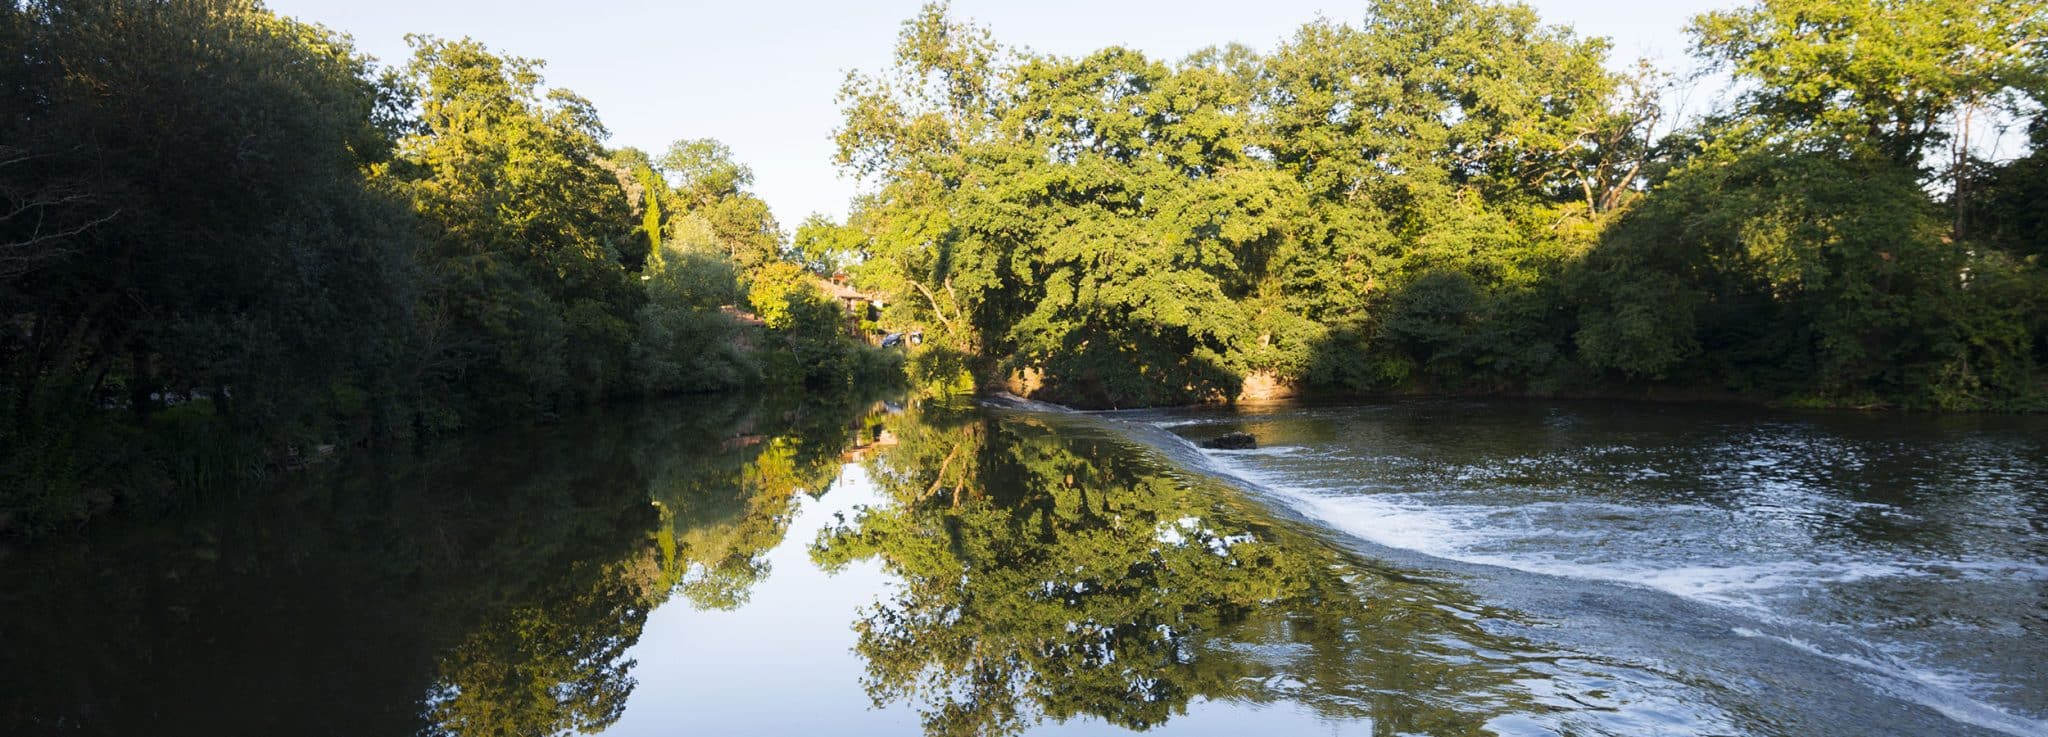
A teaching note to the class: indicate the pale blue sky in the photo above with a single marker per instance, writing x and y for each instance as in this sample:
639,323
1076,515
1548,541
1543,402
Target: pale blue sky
761,76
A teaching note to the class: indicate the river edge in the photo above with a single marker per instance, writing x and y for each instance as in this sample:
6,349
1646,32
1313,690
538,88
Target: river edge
282,465
1847,689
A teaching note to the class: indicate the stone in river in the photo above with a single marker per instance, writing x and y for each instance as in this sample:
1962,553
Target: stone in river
1233,441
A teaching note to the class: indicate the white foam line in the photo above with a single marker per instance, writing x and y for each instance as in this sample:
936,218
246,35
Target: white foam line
1433,529
1430,531
1190,422
1932,690
1270,450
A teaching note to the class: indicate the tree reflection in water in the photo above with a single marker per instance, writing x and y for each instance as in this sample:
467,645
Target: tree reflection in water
1051,570
723,494
505,578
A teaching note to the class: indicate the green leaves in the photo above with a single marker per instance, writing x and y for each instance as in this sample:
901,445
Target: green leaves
524,198
202,203
703,170
1084,219
1446,195
1896,77
189,207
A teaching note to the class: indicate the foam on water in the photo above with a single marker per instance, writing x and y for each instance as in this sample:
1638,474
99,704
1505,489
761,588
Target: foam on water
1191,422
1465,533
1450,533
1942,692
1515,537
1270,450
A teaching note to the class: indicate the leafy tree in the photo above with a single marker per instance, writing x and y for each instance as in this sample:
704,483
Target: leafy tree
682,341
645,190
1799,251
907,131
1800,272
1899,78
1454,195
184,220
526,263
785,298
811,333
1129,238
256,243
703,170
1437,138
826,247
720,214
1119,231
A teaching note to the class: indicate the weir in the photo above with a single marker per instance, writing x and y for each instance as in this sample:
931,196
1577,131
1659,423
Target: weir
1719,623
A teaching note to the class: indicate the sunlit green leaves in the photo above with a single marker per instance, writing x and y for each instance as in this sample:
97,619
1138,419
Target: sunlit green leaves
1440,195
1895,76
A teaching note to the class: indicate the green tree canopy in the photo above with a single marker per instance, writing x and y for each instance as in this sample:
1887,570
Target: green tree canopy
1901,78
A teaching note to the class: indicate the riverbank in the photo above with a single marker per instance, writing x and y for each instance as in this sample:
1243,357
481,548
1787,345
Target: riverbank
1267,391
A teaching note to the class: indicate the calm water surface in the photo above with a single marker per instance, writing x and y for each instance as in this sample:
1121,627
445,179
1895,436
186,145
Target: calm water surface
733,567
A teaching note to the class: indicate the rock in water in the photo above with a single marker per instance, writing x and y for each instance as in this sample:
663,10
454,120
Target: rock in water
1233,441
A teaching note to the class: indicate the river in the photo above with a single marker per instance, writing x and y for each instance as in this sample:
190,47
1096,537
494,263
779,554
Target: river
740,566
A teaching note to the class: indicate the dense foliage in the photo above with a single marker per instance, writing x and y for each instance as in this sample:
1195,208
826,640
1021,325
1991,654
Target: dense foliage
228,241
1451,195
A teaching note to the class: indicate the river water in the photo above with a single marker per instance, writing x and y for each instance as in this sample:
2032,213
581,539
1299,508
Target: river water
747,567
1910,550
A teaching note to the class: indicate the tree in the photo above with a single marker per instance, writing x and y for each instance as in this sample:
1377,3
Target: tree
719,215
682,341
826,247
645,191
703,170
906,132
183,219
209,207
529,224
1111,230
1900,79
